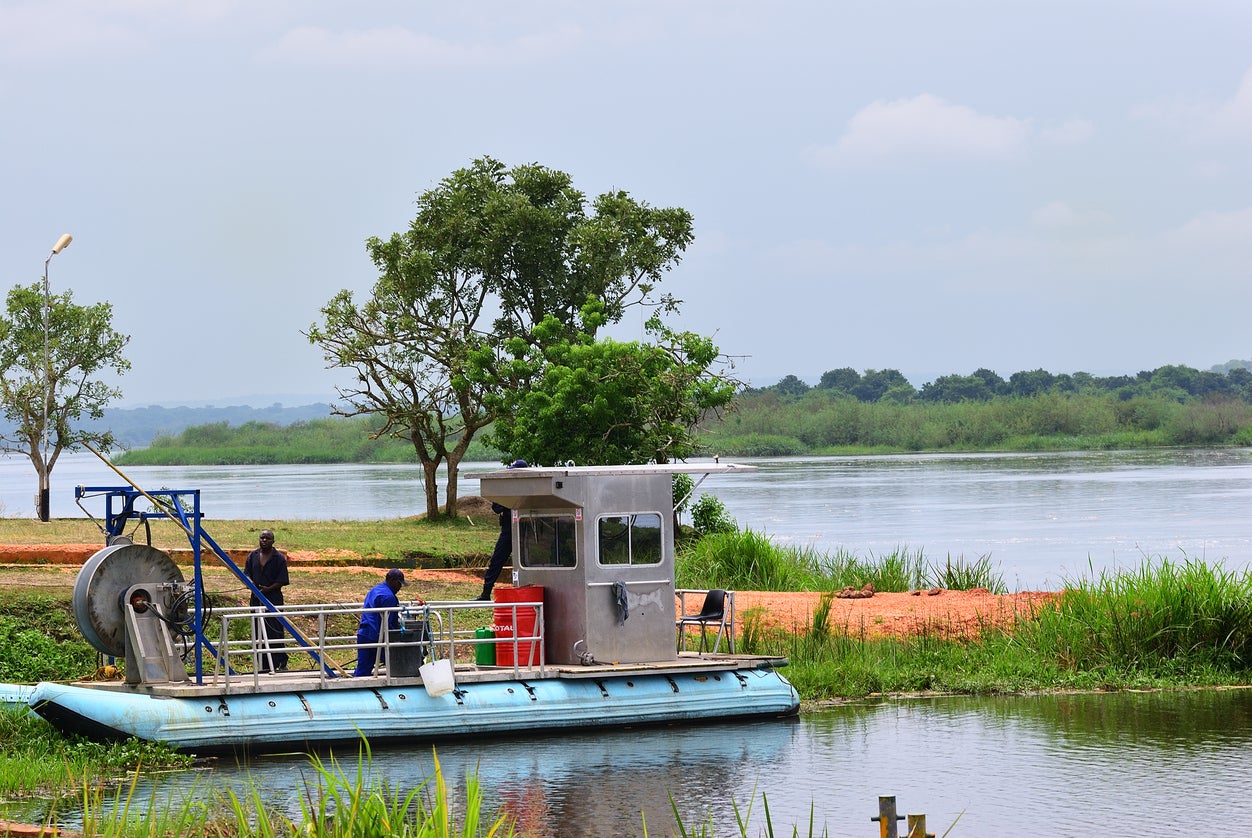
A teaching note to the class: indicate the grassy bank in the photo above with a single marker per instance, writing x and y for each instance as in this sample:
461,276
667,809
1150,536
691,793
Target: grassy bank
402,541
1165,625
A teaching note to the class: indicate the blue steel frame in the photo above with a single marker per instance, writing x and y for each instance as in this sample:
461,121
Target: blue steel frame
170,505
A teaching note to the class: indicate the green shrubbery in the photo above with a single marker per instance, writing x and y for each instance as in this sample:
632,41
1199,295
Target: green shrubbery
39,641
1159,615
1163,625
749,561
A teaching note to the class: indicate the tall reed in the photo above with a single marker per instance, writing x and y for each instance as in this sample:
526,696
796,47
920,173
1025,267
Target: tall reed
1159,614
337,803
750,561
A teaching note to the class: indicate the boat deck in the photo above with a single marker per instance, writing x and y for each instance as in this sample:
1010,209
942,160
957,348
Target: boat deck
307,680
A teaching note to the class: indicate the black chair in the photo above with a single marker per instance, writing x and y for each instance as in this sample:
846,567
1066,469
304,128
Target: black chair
713,611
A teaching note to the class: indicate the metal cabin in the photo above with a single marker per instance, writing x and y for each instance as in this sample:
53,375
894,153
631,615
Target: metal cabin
599,541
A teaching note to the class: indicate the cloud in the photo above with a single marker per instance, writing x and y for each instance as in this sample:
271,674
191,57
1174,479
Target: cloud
1071,132
1234,116
45,34
1060,216
924,126
1224,119
1216,229
396,46
1062,251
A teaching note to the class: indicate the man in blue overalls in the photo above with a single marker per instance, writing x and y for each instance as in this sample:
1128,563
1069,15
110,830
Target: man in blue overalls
382,595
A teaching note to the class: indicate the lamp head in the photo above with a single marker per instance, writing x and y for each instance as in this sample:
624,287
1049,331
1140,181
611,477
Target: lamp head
62,243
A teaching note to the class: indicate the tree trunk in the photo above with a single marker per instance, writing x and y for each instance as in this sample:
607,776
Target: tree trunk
429,470
43,497
449,507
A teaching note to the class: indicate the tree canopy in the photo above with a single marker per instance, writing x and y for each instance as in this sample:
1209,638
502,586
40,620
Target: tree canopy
601,402
492,253
50,393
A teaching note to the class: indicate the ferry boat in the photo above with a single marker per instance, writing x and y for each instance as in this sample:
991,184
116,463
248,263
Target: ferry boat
587,636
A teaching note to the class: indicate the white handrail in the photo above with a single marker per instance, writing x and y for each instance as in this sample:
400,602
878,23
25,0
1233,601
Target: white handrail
441,631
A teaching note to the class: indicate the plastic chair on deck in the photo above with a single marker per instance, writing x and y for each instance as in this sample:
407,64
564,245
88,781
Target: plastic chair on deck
713,611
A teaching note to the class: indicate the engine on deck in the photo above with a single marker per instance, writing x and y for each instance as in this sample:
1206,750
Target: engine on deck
131,600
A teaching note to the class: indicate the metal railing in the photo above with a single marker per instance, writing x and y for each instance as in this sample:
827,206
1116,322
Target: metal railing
448,631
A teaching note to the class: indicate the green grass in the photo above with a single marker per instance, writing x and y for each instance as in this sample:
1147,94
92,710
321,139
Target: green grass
1164,615
37,758
1164,625
338,802
749,561
403,541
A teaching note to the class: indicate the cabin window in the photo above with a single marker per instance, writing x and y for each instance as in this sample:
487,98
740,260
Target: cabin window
547,541
630,539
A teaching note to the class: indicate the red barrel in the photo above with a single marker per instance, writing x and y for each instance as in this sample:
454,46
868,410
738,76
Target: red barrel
529,652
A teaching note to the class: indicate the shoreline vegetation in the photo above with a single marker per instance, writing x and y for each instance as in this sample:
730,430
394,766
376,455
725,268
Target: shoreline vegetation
847,414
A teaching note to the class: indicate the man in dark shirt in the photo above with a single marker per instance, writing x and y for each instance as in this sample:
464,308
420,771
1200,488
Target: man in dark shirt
504,544
267,568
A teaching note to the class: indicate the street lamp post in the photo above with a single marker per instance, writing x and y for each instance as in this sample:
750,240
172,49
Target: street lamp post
45,483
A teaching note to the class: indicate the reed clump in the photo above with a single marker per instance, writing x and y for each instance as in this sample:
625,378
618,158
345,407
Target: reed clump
1164,614
747,560
338,802
1165,624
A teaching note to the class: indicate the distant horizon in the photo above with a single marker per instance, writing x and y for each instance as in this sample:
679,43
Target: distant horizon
254,400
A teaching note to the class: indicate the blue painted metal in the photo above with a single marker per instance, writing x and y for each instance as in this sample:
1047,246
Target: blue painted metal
270,720
182,506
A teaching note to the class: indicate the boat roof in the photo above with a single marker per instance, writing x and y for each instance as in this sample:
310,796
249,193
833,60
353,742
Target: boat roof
609,471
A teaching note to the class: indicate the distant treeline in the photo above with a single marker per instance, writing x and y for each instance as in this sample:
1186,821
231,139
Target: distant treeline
847,411
1037,410
331,440
1233,379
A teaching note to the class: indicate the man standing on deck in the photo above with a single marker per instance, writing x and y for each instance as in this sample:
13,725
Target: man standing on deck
267,568
504,544
382,595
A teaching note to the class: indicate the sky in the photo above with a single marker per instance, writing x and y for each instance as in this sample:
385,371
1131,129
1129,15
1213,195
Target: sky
931,187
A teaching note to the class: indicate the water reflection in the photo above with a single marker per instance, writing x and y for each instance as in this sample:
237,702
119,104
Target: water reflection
1055,764
1157,763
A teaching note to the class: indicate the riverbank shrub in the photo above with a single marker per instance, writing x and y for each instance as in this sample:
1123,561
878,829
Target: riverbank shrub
315,441
747,560
1163,625
1163,614
36,758
709,515
40,641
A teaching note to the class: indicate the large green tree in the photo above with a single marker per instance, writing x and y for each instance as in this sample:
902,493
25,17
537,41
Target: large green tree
47,387
491,253
601,401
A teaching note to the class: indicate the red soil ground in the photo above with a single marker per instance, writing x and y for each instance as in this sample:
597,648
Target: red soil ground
957,614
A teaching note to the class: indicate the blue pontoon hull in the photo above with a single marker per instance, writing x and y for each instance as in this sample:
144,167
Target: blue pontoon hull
295,718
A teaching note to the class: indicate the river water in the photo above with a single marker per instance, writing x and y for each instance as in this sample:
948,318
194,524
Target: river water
1040,518
1154,763
1160,764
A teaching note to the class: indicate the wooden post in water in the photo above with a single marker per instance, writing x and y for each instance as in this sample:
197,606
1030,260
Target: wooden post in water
887,817
917,827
